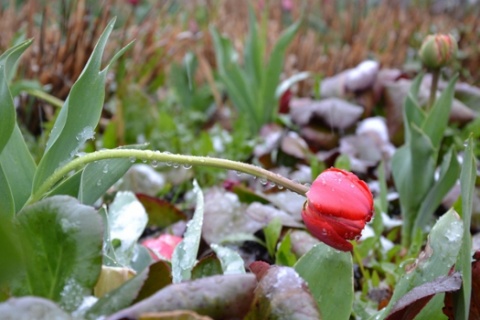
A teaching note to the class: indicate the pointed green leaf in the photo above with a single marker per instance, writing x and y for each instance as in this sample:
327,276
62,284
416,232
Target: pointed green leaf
274,70
412,112
444,243
79,115
230,260
8,117
185,253
437,119
253,53
329,274
449,171
464,264
272,233
19,168
7,205
65,239
284,255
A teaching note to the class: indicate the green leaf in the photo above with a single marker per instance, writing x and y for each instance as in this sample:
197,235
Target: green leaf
413,168
91,183
65,239
253,52
230,260
119,298
284,255
7,205
272,233
437,119
79,115
289,82
126,221
207,266
19,168
449,172
444,243
329,274
412,112
464,261
274,69
8,61
185,253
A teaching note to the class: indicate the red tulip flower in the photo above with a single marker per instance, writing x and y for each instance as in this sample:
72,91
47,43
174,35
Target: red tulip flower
338,206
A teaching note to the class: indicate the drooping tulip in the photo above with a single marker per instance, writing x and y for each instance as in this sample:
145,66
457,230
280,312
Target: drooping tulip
338,206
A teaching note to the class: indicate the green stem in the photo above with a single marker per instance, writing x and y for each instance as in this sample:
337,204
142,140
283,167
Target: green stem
166,157
433,88
45,96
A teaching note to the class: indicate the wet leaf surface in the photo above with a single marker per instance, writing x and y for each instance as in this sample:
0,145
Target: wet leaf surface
415,300
281,294
220,297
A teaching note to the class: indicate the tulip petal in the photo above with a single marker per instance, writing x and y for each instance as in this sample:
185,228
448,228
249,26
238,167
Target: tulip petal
340,193
325,232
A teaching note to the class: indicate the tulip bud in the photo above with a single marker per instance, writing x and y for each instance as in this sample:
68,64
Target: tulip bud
438,50
111,278
338,206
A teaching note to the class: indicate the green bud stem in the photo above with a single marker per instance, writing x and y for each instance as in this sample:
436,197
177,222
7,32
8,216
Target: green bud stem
150,155
433,88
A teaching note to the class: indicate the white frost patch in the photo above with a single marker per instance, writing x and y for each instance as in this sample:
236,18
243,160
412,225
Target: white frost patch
72,294
68,226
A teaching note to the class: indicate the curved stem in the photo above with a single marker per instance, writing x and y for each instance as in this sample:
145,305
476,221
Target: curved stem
166,157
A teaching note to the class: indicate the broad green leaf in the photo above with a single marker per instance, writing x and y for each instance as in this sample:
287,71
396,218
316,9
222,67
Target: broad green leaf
32,308
437,119
126,220
329,274
413,167
185,253
7,205
8,117
273,71
464,261
19,168
119,298
444,243
230,260
79,115
65,239
272,233
449,172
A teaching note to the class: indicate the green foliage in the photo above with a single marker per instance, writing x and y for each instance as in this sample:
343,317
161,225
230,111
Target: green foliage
329,274
252,87
413,165
64,239
185,253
